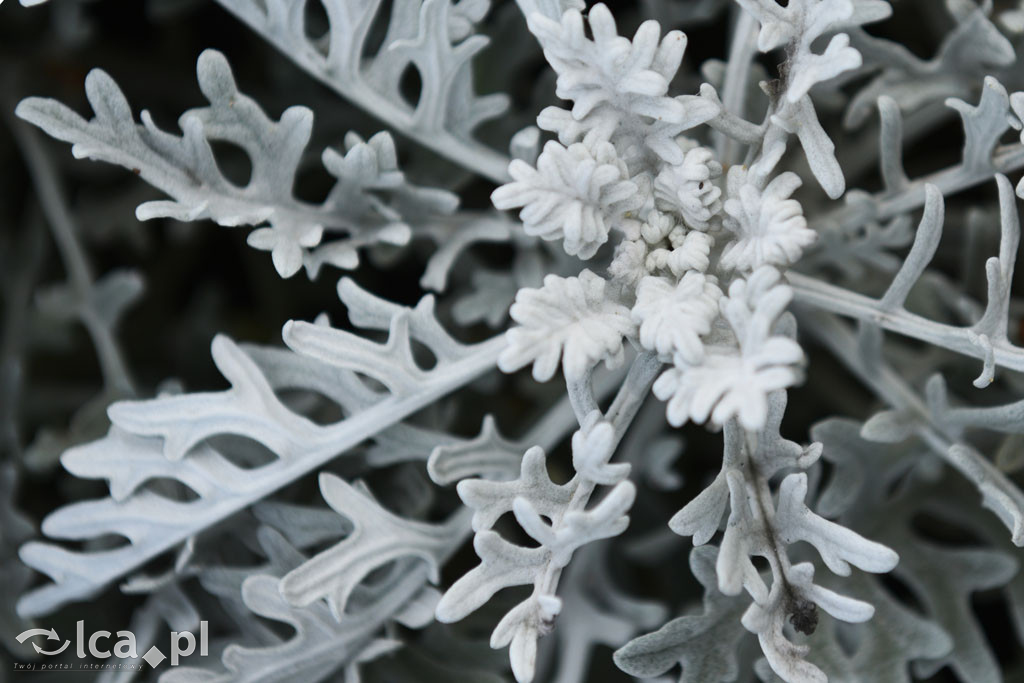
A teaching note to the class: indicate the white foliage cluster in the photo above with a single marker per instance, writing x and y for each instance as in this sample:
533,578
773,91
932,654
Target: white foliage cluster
571,526
435,37
618,87
707,255
796,27
726,383
326,640
667,211
169,437
627,172
185,168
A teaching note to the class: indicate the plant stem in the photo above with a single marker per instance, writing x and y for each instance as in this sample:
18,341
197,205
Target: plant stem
835,299
998,491
1005,160
737,77
80,277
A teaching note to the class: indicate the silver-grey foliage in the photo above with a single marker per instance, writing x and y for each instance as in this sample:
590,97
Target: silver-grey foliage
761,272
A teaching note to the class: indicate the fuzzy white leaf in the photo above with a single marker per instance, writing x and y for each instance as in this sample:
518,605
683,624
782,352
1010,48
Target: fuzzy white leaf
378,537
674,318
689,188
726,384
185,167
137,452
618,87
431,36
839,547
575,194
769,227
568,319
705,644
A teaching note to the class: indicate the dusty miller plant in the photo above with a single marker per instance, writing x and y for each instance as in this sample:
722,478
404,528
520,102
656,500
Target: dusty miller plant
685,251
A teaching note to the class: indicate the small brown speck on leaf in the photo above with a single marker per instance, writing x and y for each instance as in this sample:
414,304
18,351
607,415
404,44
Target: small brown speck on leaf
804,616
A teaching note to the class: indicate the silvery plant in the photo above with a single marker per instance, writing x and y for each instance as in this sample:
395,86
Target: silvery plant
712,361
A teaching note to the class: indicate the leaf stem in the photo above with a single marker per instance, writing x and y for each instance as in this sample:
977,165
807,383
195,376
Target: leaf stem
1006,159
828,297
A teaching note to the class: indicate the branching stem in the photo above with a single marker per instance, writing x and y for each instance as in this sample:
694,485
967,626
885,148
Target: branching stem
833,299
894,390
80,277
1005,160
623,409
